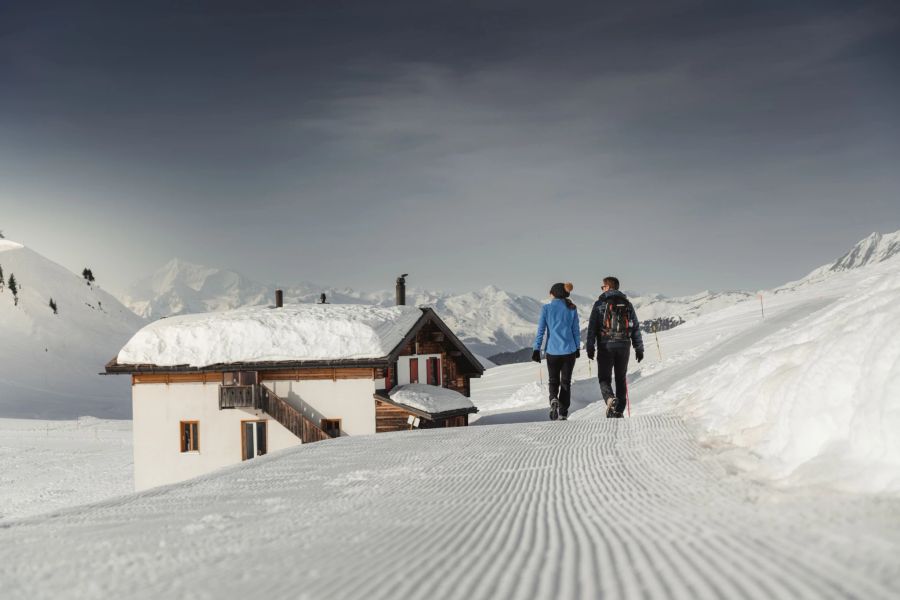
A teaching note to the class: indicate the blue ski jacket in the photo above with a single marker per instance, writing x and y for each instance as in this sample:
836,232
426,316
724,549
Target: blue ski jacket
560,324
596,321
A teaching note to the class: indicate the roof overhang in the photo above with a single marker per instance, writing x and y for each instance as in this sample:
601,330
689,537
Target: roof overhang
113,368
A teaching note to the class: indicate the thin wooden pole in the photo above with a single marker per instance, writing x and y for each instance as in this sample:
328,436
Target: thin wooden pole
762,310
656,335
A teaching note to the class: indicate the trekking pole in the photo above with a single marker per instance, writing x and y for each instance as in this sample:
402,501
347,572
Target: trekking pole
656,335
761,308
627,400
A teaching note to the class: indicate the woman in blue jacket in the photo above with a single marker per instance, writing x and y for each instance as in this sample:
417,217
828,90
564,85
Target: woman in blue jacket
559,321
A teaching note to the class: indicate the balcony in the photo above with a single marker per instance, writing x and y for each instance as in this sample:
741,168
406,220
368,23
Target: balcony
238,396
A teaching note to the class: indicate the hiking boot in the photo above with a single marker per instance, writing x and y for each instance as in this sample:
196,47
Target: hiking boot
554,409
611,407
618,415
563,417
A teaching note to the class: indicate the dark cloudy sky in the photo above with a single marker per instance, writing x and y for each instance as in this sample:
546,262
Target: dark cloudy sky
679,145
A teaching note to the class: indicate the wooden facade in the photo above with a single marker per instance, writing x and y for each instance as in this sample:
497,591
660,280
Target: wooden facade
390,417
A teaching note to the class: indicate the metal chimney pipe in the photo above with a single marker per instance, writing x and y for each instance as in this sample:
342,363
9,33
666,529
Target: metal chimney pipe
401,289
279,298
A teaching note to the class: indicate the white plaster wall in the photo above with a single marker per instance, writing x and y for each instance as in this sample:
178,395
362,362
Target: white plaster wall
158,412
351,400
403,368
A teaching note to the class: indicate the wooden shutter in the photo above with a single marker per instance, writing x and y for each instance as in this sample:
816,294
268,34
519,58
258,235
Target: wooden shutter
414,370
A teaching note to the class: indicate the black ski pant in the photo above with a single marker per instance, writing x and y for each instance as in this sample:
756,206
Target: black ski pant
560,367
614,357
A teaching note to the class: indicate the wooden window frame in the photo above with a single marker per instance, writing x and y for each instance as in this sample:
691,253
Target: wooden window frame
433,372
244,438
414,366
194,438
337,421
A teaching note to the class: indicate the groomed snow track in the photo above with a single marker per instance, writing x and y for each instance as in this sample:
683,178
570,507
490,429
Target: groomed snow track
628,508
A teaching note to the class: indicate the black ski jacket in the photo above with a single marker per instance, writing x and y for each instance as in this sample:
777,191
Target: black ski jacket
596,321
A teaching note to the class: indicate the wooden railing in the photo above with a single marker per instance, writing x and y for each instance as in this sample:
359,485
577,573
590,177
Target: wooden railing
238,396
293,420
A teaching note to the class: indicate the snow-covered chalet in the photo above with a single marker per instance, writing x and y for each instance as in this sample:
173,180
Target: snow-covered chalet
213,389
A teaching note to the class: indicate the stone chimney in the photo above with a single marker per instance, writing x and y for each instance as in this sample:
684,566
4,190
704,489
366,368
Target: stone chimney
279,298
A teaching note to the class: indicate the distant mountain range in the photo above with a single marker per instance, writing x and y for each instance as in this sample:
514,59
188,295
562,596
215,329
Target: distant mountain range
489,320
49,362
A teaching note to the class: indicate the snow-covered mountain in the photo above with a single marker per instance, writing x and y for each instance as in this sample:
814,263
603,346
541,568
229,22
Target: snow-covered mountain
873,249
489,320
49,363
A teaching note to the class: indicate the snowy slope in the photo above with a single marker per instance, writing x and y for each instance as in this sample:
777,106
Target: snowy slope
49,364
585,509
811,393
48,465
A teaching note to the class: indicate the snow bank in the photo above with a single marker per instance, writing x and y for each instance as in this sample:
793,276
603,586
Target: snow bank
255,334
820,400
430,398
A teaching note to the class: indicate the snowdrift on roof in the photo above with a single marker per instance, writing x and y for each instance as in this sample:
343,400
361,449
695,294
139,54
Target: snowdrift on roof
295,332
430,398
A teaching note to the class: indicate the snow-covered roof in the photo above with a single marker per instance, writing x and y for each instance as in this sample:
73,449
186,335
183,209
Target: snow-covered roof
430,398
295,332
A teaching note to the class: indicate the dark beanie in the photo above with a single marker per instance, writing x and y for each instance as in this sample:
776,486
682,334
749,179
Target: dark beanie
558,290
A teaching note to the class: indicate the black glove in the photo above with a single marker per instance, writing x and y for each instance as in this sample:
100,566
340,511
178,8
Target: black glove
639,354
590,352
536,356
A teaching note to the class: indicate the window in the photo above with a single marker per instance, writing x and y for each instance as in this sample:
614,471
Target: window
332,427
254,439
414,370
390,380
190,436
240,378
433,371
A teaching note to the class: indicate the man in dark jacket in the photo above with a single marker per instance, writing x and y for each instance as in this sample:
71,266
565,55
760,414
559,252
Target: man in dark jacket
613,329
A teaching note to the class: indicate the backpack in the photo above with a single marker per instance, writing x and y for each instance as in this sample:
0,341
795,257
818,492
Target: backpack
616,325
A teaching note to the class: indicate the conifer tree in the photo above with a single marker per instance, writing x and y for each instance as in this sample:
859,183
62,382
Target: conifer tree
88,275
1,235
2,283
14,288
53,306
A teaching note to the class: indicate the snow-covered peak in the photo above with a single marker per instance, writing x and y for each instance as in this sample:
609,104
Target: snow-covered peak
51,353
9,245
873,249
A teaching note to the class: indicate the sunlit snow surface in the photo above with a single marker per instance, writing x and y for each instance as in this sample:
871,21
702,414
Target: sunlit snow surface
430,398
48,465
261,333
676,501
811,392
